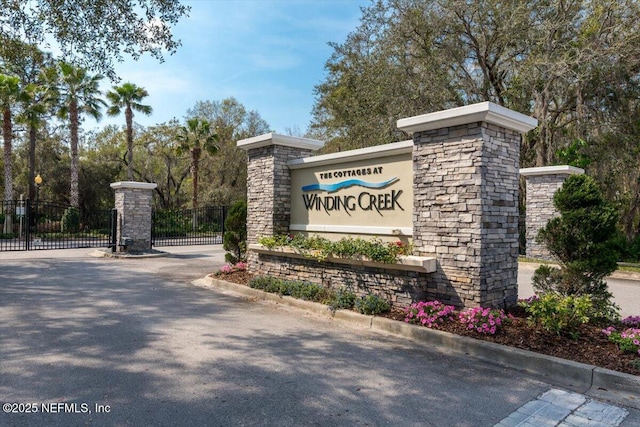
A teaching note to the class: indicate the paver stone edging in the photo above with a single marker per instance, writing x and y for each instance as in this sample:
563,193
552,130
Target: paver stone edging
602,383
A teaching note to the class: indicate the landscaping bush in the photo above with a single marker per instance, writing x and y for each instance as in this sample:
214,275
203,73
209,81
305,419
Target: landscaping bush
234,240
562,315
71,220
297,289
372,304
342,299
306,291
582,239
267,284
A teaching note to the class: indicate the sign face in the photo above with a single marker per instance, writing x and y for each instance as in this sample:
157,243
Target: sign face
375,192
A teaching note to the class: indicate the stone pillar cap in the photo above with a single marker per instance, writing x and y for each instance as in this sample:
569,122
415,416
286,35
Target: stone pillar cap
552,170
277,139
134,184
481,112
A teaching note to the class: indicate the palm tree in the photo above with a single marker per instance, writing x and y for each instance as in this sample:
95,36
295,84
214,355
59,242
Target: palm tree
10,93
39,99
195,137
128,96
79,94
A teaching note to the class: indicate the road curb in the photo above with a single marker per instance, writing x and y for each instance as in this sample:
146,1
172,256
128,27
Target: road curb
614,386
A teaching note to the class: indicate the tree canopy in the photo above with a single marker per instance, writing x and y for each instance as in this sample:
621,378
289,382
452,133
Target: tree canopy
92,33
573,65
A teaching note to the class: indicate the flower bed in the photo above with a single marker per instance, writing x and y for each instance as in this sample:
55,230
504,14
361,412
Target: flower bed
591,346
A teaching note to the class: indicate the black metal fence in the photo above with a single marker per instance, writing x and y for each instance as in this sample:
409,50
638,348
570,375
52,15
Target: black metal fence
201,226
27,225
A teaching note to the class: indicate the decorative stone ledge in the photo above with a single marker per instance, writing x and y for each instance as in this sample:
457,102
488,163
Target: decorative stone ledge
420,264
480,112
551,170
277,139
134,185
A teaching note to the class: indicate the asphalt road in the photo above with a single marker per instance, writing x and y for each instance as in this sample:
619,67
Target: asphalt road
130,342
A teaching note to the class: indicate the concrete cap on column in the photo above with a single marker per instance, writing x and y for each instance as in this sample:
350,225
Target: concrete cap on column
481,112
552,170
277,139
134,184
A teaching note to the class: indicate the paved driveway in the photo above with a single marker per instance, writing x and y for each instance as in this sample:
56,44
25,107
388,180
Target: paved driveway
130,342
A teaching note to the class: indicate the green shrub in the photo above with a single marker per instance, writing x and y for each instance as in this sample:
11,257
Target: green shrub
372,304
307,291
234,240
342,299
582,239
296,289
71,220
271,242
267,284
562,315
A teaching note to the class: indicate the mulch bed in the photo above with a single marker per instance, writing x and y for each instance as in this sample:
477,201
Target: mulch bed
592,347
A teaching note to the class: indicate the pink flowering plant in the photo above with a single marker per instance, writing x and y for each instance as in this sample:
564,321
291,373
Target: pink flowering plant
483,320
627,340
430,314
229,268
632,321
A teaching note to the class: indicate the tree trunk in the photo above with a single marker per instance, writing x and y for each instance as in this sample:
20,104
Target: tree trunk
195,158
7,133
32,161
8,174
74,198
128,114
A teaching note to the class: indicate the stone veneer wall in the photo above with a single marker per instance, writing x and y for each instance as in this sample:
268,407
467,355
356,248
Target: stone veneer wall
133,201
466,212
401,288
269,190
541,185
465,165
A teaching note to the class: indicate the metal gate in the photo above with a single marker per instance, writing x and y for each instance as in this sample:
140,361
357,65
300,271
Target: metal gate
27,225
201,226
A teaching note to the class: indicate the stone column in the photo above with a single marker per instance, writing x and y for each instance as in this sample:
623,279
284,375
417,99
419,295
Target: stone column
465,163
541,185
269,181
133,203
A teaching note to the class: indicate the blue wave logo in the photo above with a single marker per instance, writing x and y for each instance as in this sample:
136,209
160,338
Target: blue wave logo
332,188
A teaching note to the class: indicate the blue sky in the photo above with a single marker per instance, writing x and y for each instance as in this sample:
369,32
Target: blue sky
268,54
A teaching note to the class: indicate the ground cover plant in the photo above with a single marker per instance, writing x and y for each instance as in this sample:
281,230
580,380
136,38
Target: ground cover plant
591,342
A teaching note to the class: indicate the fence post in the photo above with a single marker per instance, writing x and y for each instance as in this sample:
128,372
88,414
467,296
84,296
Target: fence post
27,219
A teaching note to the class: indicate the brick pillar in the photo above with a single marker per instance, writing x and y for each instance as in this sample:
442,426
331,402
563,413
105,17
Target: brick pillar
541,185
465,163
133,203
269,181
